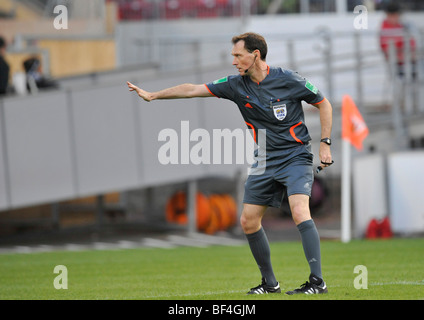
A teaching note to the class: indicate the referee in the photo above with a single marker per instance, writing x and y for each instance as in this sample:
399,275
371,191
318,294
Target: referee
269,100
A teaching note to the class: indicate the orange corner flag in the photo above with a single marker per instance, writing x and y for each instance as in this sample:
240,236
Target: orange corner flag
354,128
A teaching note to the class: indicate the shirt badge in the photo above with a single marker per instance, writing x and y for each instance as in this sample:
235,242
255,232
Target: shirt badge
280,111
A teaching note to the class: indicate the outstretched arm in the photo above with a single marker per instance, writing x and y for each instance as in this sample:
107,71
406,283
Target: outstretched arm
181,91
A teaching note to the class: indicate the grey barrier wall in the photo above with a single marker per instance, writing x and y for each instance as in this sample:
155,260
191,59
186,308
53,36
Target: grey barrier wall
37,159
103,139
3,174
78,142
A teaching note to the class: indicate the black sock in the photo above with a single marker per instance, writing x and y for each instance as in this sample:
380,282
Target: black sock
311,246
259,246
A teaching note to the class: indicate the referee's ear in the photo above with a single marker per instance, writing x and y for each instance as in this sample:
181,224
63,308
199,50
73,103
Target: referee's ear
257,53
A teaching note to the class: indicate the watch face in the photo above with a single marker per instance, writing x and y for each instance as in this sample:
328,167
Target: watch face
327,141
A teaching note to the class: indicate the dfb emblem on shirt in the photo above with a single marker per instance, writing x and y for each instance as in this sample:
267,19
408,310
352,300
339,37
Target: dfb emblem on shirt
280,111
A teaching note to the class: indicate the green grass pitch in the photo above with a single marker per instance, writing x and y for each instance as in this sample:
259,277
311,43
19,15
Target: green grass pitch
395,271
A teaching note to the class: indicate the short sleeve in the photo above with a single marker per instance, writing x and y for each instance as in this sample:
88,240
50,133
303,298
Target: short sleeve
222,88
303,89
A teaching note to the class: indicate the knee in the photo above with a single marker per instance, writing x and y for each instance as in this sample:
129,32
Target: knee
244,222
251,218
300,212
249,224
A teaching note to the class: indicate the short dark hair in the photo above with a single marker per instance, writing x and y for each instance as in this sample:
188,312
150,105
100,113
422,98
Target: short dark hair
252,42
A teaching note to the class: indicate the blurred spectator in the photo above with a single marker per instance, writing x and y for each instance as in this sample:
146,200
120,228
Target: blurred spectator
351,4
394,30
4,68
35,78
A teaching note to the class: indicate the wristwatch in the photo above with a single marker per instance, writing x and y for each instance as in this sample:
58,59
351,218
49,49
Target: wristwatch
327,141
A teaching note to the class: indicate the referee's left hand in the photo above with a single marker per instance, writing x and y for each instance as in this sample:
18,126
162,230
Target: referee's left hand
325,155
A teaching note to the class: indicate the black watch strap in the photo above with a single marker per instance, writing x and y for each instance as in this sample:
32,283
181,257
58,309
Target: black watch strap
326,141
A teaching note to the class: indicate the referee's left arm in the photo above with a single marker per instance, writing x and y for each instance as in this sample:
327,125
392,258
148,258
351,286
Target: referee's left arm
326,119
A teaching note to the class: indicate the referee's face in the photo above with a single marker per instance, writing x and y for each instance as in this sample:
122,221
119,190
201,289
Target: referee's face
243,59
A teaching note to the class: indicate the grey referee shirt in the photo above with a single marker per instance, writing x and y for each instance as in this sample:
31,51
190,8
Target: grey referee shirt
275,104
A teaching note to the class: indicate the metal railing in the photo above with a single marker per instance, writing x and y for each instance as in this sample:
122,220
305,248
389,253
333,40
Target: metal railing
326,56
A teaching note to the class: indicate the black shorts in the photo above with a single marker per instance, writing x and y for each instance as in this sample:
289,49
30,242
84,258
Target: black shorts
294,176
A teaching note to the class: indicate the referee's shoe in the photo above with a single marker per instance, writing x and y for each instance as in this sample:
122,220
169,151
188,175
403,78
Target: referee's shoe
263,288
314,286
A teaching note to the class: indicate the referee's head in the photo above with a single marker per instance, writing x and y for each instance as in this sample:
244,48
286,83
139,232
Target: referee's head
252,42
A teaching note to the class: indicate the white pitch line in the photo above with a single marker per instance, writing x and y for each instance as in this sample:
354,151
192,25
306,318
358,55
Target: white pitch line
157,243
398,283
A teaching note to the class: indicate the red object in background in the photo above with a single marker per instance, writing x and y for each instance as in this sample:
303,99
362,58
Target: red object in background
354,128
176,9
379,229
135,9
394,32
385,228
372,230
